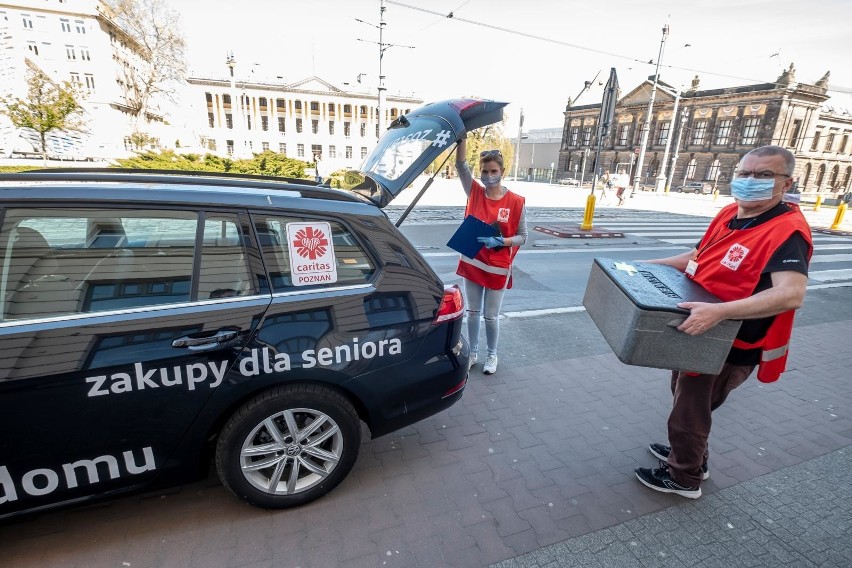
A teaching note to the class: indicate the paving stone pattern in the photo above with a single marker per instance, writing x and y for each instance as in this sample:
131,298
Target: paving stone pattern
540,454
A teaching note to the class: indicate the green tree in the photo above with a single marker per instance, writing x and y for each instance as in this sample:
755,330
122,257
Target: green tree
266,163
154,30
49,106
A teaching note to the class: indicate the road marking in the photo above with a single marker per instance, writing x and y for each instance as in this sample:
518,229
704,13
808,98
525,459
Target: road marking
552,311
831,258
831,275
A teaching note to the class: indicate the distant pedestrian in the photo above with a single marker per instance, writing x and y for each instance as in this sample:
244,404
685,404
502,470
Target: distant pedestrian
320,169
606,181
754,257
621,182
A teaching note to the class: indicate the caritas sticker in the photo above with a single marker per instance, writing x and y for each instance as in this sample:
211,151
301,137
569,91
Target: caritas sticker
311,253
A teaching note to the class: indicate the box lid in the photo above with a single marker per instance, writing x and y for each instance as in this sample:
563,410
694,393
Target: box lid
654,286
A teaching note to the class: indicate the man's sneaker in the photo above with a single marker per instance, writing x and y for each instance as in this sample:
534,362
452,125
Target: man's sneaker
490,366
660,480
661,452
471,362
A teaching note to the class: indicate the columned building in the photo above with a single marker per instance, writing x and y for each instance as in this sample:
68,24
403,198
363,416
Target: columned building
301,120
714,129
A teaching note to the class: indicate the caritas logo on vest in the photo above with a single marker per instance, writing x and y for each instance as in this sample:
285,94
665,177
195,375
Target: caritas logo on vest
735,255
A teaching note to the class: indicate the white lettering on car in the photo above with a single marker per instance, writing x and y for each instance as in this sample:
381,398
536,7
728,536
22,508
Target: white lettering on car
252,363
41,481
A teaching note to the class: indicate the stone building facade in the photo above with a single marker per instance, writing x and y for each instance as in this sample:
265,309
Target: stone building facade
713,129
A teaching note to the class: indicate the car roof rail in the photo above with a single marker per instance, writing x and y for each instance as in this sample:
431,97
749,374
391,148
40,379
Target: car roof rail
309,188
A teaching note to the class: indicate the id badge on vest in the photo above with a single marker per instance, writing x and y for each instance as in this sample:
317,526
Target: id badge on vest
691,267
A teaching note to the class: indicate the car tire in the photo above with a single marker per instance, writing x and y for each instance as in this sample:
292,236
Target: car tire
680,190
251,457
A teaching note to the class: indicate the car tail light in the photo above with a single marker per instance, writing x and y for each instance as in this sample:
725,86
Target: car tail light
452,305
462,105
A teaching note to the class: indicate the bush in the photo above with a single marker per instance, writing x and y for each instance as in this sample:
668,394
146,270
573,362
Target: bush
266,163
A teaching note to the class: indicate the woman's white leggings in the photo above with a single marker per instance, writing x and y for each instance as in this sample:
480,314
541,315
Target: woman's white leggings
482,300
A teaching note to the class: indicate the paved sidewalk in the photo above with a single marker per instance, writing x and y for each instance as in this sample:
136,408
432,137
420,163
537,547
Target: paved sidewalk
799,516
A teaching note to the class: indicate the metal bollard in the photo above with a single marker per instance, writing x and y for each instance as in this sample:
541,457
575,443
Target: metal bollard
715,194
589,214
818,202
838,217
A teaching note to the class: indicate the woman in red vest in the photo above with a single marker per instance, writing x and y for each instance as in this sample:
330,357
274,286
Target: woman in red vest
754,257
489,273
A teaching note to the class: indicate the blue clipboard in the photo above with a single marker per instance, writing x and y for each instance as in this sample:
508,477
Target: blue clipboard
464,239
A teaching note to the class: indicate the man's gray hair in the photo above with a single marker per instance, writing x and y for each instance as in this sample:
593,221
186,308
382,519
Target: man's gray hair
787,155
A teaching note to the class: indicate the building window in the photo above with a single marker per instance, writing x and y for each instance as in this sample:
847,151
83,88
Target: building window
298,125
820,176
723,132
690,169
90,81
282,148
316,151
300,150
66,25
843,142
829,142
229,120
794,133
750,128
623,134
699,132
27,21
248,123
587,135
314,126
264,123
75,78
347,109
315,106
349,152
81,26
281,127
280,103
664,133
363,130
226,99
713,170
210,119
229,147
297,105
347,128
84,54
31,45
70,54
815,143
575,136
332,151
331,127
363,152
264,146
331,109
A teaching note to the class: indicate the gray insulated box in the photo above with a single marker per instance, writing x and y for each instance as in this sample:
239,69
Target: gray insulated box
634,305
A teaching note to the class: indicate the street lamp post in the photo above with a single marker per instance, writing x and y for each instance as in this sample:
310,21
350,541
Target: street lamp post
518,144
683,118
661,178
646,128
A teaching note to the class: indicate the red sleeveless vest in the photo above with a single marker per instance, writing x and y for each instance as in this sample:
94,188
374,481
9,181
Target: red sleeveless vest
490,267
730,263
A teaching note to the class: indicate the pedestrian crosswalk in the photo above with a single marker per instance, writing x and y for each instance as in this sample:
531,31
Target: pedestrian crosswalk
831,264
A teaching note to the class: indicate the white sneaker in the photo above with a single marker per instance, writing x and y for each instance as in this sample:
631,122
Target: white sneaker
490,366
471,362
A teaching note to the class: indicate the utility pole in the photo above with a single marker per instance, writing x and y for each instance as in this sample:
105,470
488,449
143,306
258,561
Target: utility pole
661,178
518,144
683,119
646,128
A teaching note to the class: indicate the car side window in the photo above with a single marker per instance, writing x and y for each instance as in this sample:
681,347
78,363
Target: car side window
70,261
349,263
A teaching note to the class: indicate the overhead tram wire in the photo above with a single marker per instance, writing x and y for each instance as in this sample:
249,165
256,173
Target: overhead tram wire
836,89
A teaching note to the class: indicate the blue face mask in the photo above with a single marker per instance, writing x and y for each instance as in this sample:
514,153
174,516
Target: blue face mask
490,181
752,189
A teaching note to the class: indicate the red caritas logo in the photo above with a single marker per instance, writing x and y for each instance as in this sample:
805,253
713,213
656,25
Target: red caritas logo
503,215
735,255
310,243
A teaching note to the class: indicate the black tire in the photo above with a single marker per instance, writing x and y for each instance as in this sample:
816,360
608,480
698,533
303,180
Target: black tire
309,468
680,190
697,191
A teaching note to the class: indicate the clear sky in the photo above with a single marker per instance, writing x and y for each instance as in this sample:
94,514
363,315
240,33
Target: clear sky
730,42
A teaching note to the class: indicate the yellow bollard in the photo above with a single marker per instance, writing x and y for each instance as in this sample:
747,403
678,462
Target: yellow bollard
590,213
838,218
818,202
715,194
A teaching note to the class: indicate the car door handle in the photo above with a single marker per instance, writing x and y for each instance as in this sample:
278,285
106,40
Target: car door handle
207,342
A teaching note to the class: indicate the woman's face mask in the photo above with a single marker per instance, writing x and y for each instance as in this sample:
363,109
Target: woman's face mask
490,180
752,189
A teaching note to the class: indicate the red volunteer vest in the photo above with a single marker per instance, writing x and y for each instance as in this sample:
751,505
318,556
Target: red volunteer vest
490,267
730,263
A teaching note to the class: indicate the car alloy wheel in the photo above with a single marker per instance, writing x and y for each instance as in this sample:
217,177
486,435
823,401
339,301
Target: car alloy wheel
289,446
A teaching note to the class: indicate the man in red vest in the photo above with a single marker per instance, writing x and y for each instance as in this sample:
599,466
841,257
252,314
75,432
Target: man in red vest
754,257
